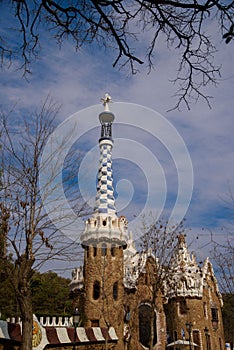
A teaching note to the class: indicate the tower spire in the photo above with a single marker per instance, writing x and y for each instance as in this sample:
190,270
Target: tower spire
105,226
105,201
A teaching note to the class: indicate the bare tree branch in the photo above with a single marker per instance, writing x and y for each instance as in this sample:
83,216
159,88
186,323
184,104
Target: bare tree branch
113,24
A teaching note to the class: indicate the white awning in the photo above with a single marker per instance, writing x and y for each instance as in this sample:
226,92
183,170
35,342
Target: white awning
181,343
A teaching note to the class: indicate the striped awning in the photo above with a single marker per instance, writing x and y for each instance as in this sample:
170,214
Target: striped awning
59,335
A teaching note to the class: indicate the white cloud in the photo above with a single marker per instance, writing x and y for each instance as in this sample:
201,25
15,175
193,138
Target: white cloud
79,80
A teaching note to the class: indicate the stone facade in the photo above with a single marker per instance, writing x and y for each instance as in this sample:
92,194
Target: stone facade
197,302
101,299
184,310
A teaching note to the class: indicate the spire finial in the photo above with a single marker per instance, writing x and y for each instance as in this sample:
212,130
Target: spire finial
106,100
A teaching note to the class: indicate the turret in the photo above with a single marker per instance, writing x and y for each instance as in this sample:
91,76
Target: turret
104,238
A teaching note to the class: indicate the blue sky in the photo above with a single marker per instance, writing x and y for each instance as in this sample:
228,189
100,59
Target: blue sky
78,80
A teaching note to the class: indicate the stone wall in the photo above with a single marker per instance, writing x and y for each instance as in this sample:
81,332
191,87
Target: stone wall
204,315
102,299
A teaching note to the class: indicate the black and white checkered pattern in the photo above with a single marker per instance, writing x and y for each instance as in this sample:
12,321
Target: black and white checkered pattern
105,201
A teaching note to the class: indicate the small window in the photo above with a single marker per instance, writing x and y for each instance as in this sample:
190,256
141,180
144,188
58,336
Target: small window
215,318
214,314
115,291
220,344
205,309
183,307
113,251
94,251
104,250
104,222
96,290
94,323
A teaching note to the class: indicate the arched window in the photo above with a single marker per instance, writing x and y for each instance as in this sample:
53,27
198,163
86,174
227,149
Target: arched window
115,290
96,290
144,314
104,250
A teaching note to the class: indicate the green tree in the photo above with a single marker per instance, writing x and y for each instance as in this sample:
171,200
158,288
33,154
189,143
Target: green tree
50,295
182,25
8,302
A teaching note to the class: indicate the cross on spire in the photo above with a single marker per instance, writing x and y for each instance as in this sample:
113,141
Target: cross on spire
106,100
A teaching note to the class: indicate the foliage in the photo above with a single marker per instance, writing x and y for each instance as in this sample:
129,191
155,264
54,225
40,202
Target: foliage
50,294
121,24
8,302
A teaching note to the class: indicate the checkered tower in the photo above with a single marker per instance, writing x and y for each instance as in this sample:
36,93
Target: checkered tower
105,200
105,226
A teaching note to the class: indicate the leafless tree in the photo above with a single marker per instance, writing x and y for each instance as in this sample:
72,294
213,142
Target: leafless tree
223,257
118,24
222,254
32,238
158,241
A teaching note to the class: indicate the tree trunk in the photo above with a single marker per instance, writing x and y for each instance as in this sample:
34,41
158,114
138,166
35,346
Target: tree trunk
25,305
23,273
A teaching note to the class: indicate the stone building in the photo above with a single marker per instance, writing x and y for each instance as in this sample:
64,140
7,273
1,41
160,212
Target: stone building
114,286
114,289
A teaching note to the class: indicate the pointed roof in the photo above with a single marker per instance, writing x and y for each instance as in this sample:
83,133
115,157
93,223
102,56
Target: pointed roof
105,200
104,226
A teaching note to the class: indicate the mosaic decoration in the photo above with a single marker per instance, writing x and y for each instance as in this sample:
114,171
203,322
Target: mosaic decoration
105,201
